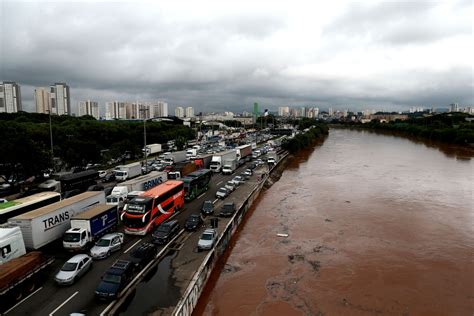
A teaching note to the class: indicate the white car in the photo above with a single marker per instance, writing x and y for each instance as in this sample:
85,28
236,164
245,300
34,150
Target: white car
73,269
102,173
50,184
207,239
222,193
239,180
106,245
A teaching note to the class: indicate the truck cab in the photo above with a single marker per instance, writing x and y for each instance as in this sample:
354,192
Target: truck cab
117,196
121,175
76,238
174,175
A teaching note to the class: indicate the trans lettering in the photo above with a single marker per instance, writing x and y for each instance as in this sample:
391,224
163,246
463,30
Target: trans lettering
152,183
55,220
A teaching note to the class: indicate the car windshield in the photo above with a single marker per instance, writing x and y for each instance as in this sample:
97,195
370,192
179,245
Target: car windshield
103,243
111,278
228,206
222,190
119,173
207,204
163,229
71,237
69,266
193,218
206,236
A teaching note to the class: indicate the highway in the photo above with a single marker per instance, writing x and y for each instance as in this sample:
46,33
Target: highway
51,299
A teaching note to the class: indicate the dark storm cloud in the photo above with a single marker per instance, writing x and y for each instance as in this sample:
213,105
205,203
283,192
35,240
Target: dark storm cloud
221,57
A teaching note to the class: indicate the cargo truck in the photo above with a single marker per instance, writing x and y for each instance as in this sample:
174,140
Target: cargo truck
152,149
21,276
203,161
174,157
125,172
244,153
219,158
48,223
142,183
89,226
229,166
182,169
191,152
11,243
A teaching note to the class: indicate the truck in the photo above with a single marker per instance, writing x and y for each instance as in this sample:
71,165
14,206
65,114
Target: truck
89,226
219,158
174,157
203,161
191,152
182,169
48,223
152,149
244,153
229,166
272,157
21,276
119,193
125,172
11,243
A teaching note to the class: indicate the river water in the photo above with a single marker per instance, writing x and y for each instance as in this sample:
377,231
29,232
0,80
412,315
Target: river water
376,224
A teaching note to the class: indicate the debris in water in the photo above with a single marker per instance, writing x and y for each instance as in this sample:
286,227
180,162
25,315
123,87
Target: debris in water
328,220
282,235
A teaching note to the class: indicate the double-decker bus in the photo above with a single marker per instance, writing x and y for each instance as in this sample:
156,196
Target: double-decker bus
196,183
146,211
23,205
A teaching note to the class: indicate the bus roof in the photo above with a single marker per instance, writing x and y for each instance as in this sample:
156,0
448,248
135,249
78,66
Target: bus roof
162,188
38,197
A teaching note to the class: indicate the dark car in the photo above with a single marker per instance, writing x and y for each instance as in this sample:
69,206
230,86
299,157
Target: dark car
165,232
193,222
252,166
141,256
108,191
207,207
227,209
109,177
114,280
95,187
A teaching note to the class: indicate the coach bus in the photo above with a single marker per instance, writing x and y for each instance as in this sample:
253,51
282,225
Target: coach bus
196,183
146,211
29,203
78,181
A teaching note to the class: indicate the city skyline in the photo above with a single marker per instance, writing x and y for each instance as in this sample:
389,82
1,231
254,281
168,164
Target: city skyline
226,57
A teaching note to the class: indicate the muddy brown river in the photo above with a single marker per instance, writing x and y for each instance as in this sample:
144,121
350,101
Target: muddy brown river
376,224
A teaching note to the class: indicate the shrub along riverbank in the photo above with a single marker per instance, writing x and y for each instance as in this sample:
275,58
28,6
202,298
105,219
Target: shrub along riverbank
306,138
447,127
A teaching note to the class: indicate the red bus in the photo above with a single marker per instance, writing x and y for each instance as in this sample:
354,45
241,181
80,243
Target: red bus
146,211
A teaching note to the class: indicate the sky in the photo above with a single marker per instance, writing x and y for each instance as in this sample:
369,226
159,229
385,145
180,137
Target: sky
226,55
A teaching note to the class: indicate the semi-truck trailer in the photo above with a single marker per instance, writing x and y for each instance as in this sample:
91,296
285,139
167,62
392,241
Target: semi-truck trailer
229,166
119,193
174,157
219,158
182,169
21,276
48,223
152,149
11,243
203,161
243,152
125,172
89,226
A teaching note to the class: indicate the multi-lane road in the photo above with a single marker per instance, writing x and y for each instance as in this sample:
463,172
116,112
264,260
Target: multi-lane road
50,299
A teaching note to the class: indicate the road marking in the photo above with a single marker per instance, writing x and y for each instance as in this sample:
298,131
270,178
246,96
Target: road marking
201,196
215,201
22,300
129,248
219,182
64,303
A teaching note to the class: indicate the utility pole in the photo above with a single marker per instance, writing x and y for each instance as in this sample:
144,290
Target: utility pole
51,138
144,110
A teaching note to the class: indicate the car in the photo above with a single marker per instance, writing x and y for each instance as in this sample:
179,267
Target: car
95,187
252,166
141,256
222,193
207,208
207,239
109,177
227,209
3,201
271,161
249,171
193,222
259,162
102,173
239,180
244,176
73,269
165,232
114,280
49,185
106,245
230,185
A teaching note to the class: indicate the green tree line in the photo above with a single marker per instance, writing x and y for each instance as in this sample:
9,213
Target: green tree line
26,148
315,131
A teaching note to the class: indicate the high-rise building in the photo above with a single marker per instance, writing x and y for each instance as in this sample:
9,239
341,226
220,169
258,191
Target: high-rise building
138,110
42,100
89,108
115,110
189,111
454,107
60,99
179,112
331,111
283,111
10,97
160,109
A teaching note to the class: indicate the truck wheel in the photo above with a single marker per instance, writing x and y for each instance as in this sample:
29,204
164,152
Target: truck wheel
18,296
31,287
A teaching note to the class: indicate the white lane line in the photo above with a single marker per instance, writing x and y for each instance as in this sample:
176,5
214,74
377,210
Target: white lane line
219,182
129,248
22,301
215,201
64,303
201,196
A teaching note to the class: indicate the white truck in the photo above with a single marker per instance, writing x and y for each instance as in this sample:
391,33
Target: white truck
244,153
272,157
48,223
191,152
219,158
152,149
11,243
174,157
89,226
125,172
229,166
119,193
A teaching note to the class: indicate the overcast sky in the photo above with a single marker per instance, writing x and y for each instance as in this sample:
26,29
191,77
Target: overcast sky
215,56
